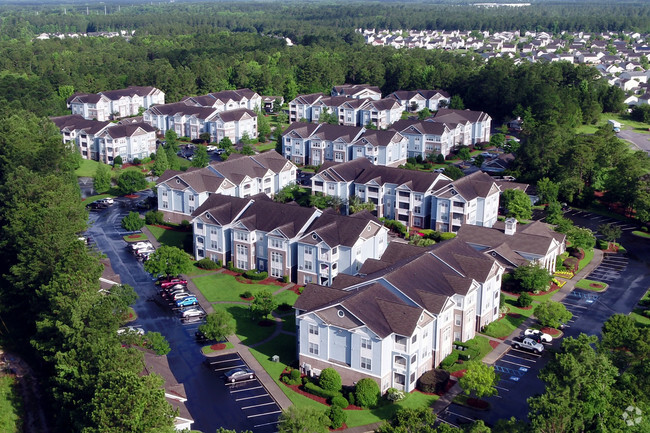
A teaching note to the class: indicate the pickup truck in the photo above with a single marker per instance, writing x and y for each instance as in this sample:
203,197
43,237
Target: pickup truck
527,343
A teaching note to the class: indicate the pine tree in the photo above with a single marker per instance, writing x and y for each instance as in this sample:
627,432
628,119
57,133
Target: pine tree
162,163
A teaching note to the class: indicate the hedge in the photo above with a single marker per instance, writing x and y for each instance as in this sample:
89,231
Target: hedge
433,380
340,401
312,388
367,393
254,275
208,264
330,380
337,417
449,360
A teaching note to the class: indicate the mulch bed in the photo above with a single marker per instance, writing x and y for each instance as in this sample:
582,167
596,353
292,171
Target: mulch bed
552,289
133,236
448,386
266,323
218,346
244,280
132,196
597,286
297,389
168,228
514,315
229,272
295,289
479,404
273,281
494,344
551,331
343,427
248,299
459,373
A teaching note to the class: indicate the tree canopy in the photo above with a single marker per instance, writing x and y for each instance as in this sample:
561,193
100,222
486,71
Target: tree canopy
168,260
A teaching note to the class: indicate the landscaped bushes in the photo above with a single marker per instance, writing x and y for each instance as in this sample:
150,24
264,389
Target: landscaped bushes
154,217
433,380
366,393
312,388
571,263
208,264
449,360
330,380
394,394
340,401
394,225
255,275
525,300
337,417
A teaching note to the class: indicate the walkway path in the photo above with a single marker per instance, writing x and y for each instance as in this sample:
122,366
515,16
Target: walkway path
443,402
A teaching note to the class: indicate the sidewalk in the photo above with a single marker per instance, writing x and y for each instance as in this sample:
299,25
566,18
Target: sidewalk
443,402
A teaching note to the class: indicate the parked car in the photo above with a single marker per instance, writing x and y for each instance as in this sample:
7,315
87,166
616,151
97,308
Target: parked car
192,312
144,250
211,148
187,301
174,288
219,151
130,329
237,374
438,170
538,335
106,201
172,282
162,278
527,343
97,205
180,295
139,245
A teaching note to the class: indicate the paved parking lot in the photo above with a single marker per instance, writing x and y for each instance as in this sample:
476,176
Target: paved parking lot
254,401
611,268
600,219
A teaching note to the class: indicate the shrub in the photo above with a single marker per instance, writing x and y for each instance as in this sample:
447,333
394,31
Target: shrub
350,397
186,225
230,265
577,253
207,264
366,393
340,401
117,160
433,380
255,275
525,300
295,374
394,394
285,278
132,222
301,289
154,217
644,229
312,388
136,161
337,417
305,380
450,359
571,263
330,380
285,379
247,294
446,236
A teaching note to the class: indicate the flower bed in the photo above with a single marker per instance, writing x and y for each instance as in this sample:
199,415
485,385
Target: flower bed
132,196
459,373
164,227
559,283
564,274
494,344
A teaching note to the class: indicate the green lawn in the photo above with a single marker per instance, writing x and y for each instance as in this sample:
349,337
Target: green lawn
585,285
545,297
624,119
172,238
93,198
263,147
589,255
87,168
505,326
287,296
480,344
11,405
640,319
208,349
289,323
641,234
248,330
225,288
198,272
285,347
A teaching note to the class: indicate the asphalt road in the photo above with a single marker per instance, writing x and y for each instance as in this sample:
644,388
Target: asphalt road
641,141
628,276
210,401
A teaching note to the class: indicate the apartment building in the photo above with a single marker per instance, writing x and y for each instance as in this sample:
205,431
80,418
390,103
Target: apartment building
112,104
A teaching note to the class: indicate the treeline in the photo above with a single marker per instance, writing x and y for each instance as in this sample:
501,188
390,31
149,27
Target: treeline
299,20
52,311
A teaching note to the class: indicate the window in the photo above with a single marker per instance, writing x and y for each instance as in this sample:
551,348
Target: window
414,338
165,205
412,378
366,343
309,265
240,236
313,329
214,245
276,243
313,348
334,250
414,358
457,319
417,209
191,198
418,197
213,230
247,186
276,257
191,209
366,363
164,193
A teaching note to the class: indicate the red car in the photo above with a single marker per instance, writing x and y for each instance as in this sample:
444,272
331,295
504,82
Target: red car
172,282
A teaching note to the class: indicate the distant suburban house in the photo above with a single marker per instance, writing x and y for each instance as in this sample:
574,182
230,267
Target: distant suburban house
304,244
113,104
104,141
400,316
417,100
384,148
180,193
535,243
271,104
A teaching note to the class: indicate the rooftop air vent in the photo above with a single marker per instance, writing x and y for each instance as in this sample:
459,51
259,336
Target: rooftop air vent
341,313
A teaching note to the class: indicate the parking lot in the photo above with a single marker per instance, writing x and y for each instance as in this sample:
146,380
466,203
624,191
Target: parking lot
599,219
251,397
611,268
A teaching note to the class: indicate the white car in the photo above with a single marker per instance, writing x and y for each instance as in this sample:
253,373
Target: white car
130,329
107,200
192,312
140,245
211,148
546,338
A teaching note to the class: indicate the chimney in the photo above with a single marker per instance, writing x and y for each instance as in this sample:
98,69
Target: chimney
511,226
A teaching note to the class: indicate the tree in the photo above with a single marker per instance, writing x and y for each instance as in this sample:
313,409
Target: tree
440,158
424,113
581,238
532,277
218,325
478,161
456,103
552,314
263,126
610,232
172,139
554,212
157,342
118,160
517,203
201,158
327,117
547,190
464,154
420,420
355,205
330,380
247,149
497,140
226,144
161,164
453,172
245,139
479,379
131,181
619,331
205,136
263,304
303,420
132,222
366,393
102,179
168,260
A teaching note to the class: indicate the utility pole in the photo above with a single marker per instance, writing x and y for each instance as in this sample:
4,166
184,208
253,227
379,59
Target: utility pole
87,13
104,9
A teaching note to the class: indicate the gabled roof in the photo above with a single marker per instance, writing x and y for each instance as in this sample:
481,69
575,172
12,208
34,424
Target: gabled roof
460,116
411,126
308,99
335,229
76,122
379,138
235,95
85,98
129,92
353,89
266,215
183,108
477,184
128,130
382,104
235,115
345,172
300,129
199,179
221,209
329,132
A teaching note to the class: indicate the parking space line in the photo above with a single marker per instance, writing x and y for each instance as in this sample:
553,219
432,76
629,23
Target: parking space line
447,422
527,353
514,363
255,396
229,368
258,405
568,304
263,414
247,389
225,360
267,423
500,387
521,357
462,416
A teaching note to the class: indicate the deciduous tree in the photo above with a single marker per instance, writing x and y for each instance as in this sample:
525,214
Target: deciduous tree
102,179
132,222
201,158
263,304
218,325
532,277
517,203
552,314
131,181
168,260
303,420
479,379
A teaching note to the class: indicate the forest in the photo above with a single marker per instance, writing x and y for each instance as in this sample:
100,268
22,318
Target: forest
55,316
